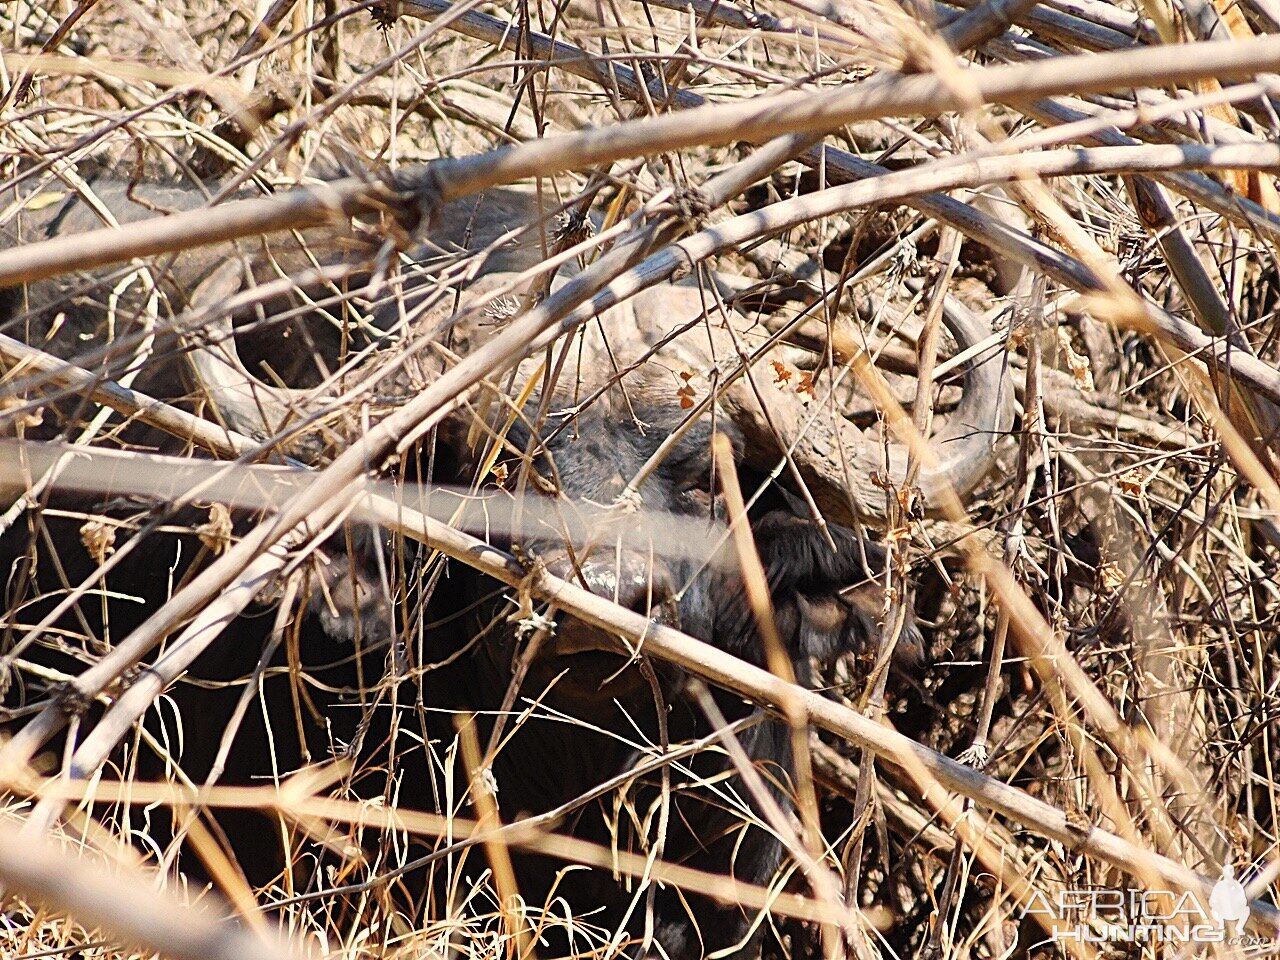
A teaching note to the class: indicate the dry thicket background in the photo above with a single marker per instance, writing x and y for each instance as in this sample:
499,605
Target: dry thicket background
1120,565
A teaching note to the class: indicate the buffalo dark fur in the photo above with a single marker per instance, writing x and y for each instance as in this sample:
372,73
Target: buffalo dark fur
391,651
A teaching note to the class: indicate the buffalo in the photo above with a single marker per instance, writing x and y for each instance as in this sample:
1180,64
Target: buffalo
592,459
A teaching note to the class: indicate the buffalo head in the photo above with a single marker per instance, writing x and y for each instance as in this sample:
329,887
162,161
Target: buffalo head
599,450
593,457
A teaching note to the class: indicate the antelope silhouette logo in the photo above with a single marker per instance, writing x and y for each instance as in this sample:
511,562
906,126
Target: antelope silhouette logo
1228,901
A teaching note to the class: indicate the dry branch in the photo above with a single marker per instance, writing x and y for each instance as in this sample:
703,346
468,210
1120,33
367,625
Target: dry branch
760,118
1169,628
123,904
762,687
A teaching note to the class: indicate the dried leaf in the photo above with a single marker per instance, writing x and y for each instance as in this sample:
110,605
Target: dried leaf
1076,363
1132,482
46,199
1110,577
686,394
216,533
805,386
24,420
99,538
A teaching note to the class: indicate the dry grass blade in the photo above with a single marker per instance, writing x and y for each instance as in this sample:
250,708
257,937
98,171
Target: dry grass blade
117,902
708,125
645,478
769,690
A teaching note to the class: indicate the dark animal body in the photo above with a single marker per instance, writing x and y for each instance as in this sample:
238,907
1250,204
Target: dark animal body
396,646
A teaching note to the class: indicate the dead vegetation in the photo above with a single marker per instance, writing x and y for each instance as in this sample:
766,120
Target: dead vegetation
1098,614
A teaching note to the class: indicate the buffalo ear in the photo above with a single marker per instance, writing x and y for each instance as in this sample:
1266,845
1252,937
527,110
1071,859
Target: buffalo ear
827,627
866,600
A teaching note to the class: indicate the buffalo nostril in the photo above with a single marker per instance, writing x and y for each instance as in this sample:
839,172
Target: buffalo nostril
636,585
648,594
630,580
642,585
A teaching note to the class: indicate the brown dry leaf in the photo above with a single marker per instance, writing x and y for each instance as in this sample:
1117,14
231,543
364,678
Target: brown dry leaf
216,532
909,501
25,419
99,538
1132,482
1110,577
526,616
805,386
781,373
686,393
1077,363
